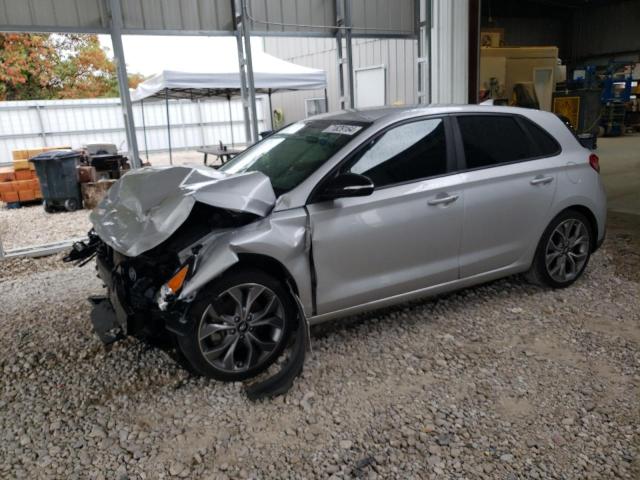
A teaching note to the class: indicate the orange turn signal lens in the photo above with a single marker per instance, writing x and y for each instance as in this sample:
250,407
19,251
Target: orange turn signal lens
177,280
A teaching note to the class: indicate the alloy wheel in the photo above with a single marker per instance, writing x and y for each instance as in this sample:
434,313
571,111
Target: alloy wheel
241,328
567,250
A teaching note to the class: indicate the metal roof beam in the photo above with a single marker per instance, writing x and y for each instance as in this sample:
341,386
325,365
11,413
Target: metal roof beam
370,18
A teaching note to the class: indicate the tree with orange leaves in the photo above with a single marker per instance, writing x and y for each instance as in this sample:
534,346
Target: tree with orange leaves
56,66
26,66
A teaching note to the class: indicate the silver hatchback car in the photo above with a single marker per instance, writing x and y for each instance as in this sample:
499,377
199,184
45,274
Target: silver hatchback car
339,214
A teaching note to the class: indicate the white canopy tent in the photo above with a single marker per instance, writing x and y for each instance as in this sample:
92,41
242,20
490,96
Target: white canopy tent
211,78
222,79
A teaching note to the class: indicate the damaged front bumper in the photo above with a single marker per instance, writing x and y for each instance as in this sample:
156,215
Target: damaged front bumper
119,313
130,305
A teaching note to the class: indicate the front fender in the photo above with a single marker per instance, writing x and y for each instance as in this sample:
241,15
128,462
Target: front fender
281,236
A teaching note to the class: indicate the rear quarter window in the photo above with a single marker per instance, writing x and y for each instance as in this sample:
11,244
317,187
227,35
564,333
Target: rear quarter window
544,145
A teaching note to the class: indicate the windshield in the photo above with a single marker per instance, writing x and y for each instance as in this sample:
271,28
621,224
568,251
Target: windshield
292,154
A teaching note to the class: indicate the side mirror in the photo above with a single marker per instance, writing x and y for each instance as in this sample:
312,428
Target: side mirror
346,185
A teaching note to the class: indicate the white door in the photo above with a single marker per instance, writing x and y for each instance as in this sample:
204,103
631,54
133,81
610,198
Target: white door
370,86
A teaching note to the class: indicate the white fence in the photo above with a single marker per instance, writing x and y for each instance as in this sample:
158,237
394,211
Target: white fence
32,124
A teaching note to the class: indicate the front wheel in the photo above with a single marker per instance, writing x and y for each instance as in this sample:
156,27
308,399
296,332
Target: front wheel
563,252
240,324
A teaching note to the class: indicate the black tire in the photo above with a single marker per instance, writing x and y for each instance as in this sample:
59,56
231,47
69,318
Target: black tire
71,204
48,207
216,297
546,274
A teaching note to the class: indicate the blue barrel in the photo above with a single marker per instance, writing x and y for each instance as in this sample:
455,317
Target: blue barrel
57,173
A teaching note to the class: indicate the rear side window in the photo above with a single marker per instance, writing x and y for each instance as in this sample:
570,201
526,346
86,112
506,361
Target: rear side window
493,139
544,145
408,152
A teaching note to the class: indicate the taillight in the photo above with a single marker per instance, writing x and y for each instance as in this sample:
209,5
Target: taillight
594,161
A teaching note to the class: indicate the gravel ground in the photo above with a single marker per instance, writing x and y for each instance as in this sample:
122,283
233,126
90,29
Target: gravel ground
501,381
31,225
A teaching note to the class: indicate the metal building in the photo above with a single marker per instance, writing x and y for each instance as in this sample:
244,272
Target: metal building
437,30
434,66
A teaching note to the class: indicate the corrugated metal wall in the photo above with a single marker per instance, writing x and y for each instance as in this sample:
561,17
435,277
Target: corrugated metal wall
32,124
210,17
450,51
397,55
606,30
531,31
187,15
368,17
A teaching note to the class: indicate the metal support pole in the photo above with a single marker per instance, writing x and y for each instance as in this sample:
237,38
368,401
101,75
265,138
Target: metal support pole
202,133
251,90
343,19
43,133
424,53
144,131
166,104
123,81
243,87
339,55
348,39
341,93
326,101
271,110
233,143
183,123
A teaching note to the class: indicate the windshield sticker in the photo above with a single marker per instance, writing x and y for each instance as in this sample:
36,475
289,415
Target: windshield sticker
342,129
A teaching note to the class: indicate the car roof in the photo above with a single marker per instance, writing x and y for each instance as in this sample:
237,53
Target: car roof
376,114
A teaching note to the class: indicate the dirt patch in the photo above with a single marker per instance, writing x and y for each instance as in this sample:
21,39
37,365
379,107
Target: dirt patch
623,234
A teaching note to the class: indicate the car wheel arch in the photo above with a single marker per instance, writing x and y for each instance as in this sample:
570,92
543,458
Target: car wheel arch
268,265
588,213
580,208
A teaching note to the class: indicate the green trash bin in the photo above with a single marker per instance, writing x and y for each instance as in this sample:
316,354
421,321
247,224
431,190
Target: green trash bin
57,173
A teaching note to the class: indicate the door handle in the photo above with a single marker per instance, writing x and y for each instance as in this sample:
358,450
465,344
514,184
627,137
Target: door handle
541,180
443,200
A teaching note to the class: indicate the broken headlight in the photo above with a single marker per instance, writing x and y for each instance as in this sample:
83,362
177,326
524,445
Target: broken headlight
169,290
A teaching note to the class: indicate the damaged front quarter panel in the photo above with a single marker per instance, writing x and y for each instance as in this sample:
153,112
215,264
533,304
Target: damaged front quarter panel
282,236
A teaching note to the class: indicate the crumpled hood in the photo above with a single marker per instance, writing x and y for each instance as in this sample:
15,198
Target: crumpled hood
144,207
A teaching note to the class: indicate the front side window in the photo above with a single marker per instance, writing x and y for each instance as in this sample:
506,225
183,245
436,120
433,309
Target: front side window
405,153
493,139
292,154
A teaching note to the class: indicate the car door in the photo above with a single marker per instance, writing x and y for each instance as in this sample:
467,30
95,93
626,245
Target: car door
509,186
402,237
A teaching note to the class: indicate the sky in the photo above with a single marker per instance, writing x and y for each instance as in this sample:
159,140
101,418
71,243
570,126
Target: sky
149,54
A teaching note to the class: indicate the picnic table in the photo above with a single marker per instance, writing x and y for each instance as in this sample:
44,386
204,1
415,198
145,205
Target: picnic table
222,154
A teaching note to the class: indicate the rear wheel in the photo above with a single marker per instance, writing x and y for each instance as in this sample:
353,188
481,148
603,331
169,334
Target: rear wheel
239,325
563,252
